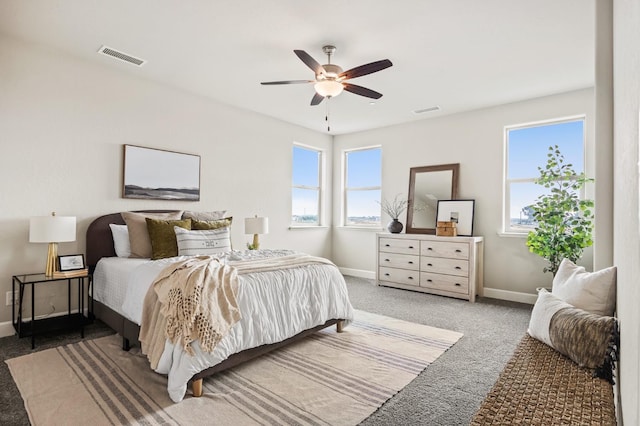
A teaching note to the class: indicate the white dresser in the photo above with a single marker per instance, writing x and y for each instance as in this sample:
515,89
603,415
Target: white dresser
448,266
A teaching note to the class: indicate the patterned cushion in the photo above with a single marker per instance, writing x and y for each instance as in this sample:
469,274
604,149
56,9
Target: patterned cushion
138,232
204,242
590,340
163,237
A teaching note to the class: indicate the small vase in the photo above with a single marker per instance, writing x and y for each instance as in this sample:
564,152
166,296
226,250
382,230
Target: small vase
395,226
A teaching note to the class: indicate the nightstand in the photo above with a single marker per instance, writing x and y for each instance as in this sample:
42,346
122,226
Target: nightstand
76,320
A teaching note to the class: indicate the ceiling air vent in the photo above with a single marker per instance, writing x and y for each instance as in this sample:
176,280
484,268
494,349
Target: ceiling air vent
422,111
122,56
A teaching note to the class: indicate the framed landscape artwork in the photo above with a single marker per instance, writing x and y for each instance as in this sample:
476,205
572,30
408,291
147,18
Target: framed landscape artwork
160,175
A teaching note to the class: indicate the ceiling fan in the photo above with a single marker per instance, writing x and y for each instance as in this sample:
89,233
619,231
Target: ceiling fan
331,80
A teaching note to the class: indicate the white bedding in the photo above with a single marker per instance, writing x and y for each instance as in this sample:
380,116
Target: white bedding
274,305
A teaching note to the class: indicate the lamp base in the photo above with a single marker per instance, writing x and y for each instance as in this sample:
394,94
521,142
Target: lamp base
256,243
52,254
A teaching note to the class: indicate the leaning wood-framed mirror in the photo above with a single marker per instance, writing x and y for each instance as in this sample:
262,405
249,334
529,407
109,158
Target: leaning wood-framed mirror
427,185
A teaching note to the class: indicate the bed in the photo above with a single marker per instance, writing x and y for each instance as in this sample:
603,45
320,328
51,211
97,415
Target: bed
276,318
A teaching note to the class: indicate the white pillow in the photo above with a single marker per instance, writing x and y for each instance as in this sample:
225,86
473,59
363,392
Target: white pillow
121,242
205,242
546,306
594,292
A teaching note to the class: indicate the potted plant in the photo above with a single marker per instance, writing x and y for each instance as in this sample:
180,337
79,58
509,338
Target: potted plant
394,209
564,222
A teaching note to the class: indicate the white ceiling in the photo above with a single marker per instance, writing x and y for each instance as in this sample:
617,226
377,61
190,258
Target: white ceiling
458,54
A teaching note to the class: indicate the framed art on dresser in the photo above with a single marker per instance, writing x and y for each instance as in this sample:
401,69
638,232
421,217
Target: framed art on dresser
459,211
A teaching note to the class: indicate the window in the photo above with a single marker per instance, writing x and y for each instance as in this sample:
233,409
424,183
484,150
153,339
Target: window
526,149
307,190
362,182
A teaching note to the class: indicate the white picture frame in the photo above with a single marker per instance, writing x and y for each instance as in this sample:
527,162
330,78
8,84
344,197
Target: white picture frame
459,211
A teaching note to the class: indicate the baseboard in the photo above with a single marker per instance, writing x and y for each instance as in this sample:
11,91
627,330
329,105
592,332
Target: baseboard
360,273
513,296
6,328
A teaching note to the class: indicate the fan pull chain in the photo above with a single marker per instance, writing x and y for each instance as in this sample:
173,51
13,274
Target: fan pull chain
326,117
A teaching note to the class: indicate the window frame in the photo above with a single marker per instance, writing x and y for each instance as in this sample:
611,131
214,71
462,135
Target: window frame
320,188
507,229
346,190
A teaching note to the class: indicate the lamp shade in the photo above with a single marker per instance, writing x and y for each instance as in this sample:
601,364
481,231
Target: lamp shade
52,229
256,225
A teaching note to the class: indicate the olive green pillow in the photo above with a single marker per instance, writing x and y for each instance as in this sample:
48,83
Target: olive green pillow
203,225
163,237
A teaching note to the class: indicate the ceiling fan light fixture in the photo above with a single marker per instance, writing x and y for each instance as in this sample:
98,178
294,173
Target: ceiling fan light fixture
328,88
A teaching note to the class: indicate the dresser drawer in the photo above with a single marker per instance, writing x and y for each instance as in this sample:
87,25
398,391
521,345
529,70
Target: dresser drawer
445,282
400,245
401,276
403,261
439,265
444,249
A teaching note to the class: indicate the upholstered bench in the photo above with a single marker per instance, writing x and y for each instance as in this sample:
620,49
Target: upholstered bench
540,386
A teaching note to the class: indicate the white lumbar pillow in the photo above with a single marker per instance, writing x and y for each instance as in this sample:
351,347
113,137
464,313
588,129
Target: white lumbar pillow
594,292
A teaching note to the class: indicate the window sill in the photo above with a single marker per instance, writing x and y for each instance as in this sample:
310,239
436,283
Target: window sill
512,234
361,228
297,227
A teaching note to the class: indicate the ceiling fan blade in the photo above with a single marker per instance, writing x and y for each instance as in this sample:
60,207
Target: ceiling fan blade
362,91
268,83
316,99
365,69
309,61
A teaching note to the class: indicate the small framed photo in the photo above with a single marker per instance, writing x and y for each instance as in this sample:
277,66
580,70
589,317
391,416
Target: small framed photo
71,262
458,211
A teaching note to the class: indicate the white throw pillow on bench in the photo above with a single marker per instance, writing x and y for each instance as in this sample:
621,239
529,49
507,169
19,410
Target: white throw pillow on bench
594,292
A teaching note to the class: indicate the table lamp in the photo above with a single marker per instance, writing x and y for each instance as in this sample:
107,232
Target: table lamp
53,230
256,226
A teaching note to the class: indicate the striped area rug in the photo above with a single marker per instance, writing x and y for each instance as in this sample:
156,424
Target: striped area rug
325,379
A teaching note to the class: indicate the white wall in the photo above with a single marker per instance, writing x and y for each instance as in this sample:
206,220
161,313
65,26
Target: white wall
475,140
62,126
626,36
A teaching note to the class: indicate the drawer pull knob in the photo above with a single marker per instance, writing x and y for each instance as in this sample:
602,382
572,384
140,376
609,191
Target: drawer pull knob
457,267
387,245
410,278
411,262
410,247
429,248
429,280
429,264
458,251
387,260
386,275
458,284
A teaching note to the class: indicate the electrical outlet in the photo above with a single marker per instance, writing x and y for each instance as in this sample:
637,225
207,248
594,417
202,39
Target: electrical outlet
9,298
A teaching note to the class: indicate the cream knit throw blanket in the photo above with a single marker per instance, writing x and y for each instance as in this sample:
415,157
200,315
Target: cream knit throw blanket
190,300
195,299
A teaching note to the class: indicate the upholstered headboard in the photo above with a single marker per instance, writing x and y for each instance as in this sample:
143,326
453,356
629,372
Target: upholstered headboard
100,240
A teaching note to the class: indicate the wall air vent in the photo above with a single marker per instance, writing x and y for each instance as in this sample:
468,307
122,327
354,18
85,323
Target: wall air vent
104,50
431,109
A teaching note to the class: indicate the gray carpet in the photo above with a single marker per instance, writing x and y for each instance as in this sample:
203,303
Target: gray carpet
448,392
